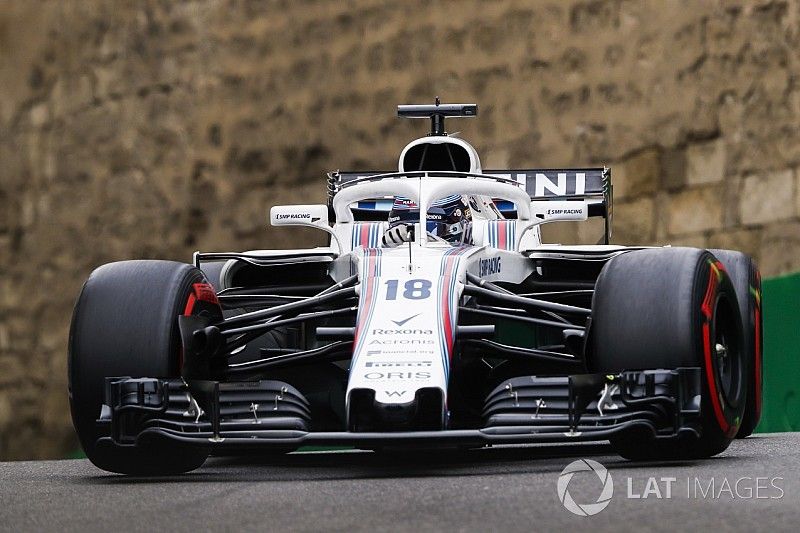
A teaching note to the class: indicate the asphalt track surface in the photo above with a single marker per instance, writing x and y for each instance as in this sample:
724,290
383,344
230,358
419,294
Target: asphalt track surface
503,488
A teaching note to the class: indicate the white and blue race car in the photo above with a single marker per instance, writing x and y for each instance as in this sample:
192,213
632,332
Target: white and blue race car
383,342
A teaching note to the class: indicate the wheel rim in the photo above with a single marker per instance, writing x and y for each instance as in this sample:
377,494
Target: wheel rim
727,353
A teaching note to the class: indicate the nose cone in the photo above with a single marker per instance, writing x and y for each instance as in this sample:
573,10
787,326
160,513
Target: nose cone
424,412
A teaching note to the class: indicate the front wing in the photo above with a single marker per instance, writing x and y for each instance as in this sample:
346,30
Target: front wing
265,415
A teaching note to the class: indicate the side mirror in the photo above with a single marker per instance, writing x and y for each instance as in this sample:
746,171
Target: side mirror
299,215
543,211
315,216
554,210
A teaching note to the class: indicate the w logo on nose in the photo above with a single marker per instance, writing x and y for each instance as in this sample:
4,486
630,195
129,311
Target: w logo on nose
397,393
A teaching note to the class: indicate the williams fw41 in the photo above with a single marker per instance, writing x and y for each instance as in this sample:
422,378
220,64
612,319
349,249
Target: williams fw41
398,335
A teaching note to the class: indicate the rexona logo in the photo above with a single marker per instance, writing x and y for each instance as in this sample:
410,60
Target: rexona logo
379,331
487,267
409,335
585,509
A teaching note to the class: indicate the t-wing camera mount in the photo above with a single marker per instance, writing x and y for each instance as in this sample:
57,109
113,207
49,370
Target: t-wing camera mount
437,112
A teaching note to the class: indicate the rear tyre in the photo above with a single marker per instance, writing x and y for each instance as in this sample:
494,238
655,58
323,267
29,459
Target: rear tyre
213,273
669,308
746,281
125,324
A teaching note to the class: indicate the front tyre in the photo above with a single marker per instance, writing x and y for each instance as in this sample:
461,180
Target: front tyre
125,324
669,308
747,282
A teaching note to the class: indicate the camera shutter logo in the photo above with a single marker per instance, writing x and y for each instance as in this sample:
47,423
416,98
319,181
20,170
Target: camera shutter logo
585,509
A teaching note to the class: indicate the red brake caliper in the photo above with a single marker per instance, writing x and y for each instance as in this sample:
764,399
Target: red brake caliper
203,296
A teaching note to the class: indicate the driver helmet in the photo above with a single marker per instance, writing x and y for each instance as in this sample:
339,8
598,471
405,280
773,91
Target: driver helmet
449,219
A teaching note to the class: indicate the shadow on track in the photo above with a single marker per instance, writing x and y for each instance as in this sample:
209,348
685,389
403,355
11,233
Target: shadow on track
354,464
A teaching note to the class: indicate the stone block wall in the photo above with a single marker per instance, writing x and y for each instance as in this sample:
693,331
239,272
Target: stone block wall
149,129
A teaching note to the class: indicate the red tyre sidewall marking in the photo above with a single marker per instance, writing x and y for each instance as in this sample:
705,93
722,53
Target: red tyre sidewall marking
707,308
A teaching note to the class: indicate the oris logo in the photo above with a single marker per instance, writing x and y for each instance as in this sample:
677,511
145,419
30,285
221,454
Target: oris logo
398,375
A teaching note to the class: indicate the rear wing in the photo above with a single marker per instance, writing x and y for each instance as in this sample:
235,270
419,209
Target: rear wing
590,185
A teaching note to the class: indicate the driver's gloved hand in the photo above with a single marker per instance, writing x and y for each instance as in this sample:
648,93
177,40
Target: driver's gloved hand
398,235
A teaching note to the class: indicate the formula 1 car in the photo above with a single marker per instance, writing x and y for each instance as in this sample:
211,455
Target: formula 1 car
500,339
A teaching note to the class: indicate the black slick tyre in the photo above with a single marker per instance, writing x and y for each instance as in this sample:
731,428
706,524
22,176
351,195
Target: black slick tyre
666,308
746,280
125,324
